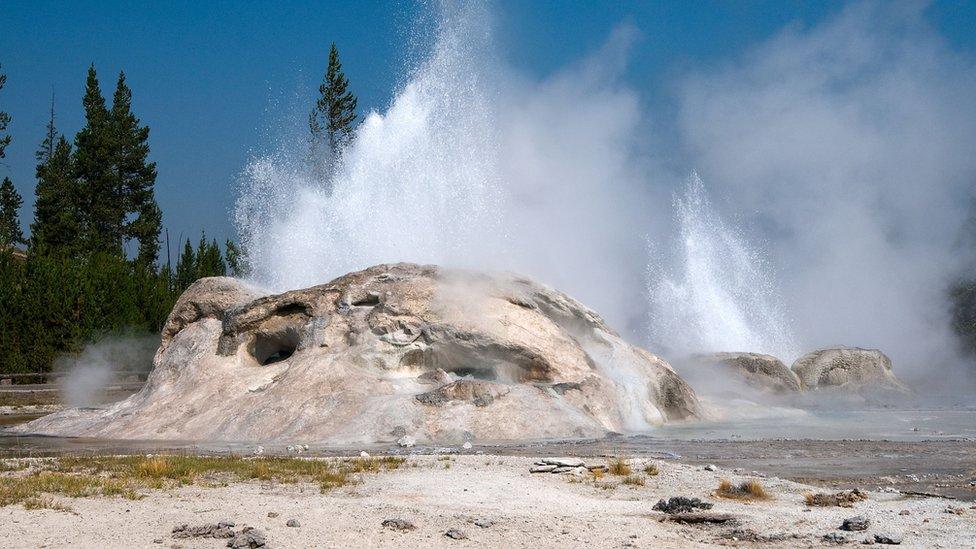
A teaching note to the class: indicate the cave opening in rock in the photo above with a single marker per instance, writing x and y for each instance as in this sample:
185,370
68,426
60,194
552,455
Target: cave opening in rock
269,348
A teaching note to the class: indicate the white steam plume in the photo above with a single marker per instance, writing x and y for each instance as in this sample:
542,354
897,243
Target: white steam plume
851,147
473,166
846,149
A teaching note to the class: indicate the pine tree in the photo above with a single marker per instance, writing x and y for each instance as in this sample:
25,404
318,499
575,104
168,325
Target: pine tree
186,268
10,202
102,206
55,227
135,175
4,120
235,261
334,114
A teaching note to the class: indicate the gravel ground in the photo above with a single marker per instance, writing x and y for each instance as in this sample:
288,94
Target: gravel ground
512,508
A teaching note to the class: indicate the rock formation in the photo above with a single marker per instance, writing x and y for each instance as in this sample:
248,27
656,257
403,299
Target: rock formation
849,368
388,352
764,372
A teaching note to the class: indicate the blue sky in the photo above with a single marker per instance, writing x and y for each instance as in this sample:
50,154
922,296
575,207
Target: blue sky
212,79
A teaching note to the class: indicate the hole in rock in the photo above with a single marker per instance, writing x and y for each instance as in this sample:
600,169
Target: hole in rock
269,348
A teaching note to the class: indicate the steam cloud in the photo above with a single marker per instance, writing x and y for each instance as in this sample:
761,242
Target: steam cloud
844,152
98,364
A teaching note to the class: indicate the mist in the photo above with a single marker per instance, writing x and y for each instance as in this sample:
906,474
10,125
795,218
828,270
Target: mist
100,363
835,163
847,148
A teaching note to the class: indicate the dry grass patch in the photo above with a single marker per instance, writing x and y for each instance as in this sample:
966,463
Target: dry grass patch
124,476
45,502
619,467
633,480
651,470
750,489
845,498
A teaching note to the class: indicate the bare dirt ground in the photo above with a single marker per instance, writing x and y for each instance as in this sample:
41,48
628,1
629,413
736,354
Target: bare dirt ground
512,508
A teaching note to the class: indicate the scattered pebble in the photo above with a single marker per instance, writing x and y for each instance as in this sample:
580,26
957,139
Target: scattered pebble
482,522
904,512
466,446
711,467
454,533
364,454
272,514
293,523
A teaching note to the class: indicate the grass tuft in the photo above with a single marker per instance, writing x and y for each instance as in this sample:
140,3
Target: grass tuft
750,489
45,502
651,470
633,480
619,467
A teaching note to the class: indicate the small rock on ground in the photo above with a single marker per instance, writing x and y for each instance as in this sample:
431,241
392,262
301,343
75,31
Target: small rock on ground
855,524
398,524
293,523
249,538
681,504
454,533
406,441
887,539
834,537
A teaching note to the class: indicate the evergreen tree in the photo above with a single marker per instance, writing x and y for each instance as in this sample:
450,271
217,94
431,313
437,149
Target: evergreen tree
135,175
234,259
102,205
4,120
10,202
334,114
55,226
46,150
186,268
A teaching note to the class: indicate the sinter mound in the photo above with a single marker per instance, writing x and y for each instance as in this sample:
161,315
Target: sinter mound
439,355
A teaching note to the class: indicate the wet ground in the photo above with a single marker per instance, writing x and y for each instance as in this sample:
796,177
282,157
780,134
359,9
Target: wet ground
929,451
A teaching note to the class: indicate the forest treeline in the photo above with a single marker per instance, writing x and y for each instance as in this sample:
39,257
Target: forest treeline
91,265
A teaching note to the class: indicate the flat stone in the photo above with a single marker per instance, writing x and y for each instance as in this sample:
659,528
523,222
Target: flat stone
563,462
559,470
454,533
293,523
542,469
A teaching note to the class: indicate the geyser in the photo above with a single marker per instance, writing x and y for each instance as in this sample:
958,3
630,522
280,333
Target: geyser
439,355
719,293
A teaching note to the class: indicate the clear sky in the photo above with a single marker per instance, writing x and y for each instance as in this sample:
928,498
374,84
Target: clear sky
212,78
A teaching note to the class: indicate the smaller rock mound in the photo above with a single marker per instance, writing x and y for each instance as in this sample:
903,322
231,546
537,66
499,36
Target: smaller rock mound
764,372
849,368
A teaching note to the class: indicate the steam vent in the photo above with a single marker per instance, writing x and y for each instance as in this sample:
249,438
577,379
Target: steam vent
439,355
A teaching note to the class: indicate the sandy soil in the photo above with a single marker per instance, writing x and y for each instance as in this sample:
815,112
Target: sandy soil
527,510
